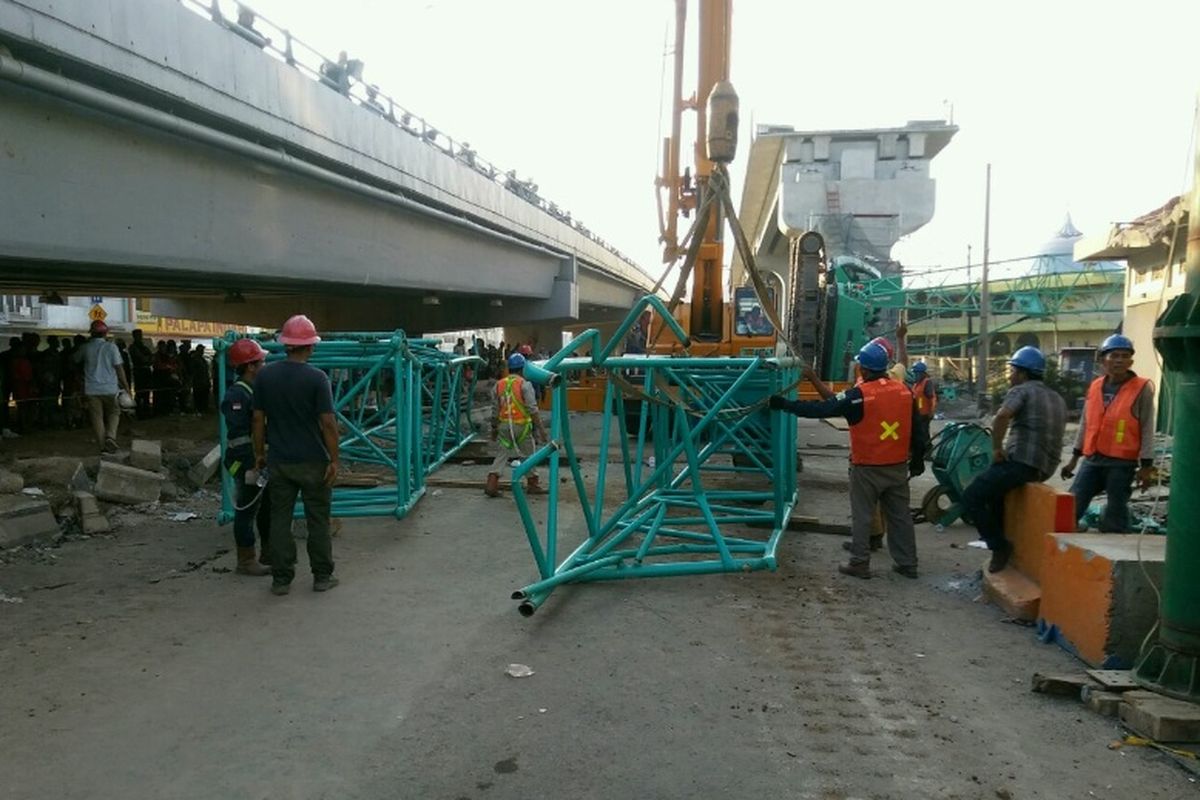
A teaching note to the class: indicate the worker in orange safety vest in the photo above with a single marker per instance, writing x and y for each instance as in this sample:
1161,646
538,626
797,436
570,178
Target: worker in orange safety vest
517,426
884,454
1115,439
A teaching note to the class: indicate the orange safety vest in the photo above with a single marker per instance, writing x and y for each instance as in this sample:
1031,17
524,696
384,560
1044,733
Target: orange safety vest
883,436
515,420
1113,431
923,408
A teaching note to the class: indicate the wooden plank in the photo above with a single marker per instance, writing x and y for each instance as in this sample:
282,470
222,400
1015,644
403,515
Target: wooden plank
1163,719
813,525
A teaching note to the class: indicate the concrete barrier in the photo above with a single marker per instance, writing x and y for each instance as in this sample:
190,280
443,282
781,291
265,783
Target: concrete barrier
1096,601
1031,513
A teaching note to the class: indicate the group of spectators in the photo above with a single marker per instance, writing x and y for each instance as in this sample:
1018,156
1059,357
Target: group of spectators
42,382
495,356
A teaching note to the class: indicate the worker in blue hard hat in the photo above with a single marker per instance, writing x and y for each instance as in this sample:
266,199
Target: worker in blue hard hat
884,453
1115,438
517,426
1034,418
925,392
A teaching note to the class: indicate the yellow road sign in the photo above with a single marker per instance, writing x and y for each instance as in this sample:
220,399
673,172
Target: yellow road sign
97,313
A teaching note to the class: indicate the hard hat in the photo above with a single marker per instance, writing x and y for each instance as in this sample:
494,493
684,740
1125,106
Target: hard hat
872,357
299,331
516,361
886,345
1116,342
246,351
1030,358
920,367
98,326
525,350
125,400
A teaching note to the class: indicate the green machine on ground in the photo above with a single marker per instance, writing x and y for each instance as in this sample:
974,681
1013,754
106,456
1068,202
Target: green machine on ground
961,451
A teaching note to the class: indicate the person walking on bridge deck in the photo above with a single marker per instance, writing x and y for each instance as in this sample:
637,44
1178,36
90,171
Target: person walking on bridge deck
1115,439
293,408
884,454
516,427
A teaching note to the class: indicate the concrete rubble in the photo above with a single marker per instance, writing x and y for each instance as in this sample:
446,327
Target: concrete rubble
204,469
10,482
145,454
24,520
121,484
91,518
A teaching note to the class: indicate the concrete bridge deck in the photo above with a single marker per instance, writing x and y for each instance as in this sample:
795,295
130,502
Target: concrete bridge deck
150,151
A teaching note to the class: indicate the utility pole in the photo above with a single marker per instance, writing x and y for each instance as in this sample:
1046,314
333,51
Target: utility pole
966,351
981,369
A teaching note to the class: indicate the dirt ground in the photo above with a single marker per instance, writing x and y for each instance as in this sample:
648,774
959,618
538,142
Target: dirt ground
136,664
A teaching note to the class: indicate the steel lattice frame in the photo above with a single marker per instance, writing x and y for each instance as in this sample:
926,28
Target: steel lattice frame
401,404
704,421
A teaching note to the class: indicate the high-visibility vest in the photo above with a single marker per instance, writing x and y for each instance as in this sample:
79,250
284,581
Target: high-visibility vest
1113,431
925,405
515,421
883,435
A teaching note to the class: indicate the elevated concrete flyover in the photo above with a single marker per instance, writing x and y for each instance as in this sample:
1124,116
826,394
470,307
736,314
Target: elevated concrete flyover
146,150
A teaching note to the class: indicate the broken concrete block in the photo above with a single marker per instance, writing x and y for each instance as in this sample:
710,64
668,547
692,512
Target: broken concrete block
1010,589
1161,718
94,523
1104,703
121,484
10,482
80,481
25,519
119,457
168,492
204,469
145,454
87,503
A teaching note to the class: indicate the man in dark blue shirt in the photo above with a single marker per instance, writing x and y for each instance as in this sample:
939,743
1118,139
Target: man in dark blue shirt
293,405
237,410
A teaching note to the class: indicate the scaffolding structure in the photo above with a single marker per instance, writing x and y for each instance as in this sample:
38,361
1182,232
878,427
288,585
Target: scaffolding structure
403,407
707,476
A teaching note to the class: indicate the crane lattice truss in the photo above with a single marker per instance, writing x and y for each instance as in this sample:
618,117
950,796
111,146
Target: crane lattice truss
403,407
707,478
1085,291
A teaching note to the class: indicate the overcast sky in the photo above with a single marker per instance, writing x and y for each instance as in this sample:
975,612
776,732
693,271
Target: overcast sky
1082,107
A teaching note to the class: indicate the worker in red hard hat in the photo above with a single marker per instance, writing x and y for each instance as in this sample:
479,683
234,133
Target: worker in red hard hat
246,357
293,407
103,379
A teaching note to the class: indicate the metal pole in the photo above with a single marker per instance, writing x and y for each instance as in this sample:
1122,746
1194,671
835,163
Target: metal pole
1172,666
984,301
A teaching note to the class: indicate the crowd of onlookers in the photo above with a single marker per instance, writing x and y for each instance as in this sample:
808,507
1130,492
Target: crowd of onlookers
495,356
41,382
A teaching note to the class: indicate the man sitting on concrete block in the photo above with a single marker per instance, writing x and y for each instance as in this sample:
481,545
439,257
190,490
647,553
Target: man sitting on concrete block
1037,417
1115,439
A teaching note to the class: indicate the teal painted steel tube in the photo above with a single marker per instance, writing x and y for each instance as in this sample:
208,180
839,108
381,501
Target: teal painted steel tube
694,415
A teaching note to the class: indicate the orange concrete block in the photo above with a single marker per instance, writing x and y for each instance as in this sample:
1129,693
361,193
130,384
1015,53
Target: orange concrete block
1030,513
1014,592
1096,601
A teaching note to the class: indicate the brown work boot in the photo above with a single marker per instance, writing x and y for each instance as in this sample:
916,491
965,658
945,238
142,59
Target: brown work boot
247,564
532,486
1000,556
492,487
855,570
